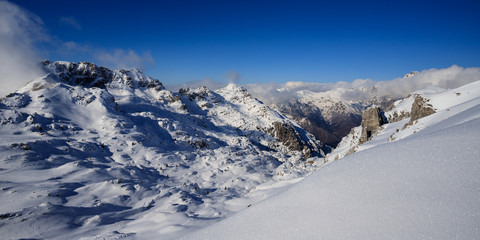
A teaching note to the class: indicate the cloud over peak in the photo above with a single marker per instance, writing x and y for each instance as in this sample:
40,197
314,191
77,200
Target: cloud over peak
451,77
119,58
19,31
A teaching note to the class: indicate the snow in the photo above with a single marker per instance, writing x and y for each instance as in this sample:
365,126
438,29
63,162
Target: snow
129,159
332,102
424,186
446,102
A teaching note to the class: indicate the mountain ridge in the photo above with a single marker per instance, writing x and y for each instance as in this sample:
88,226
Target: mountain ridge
98,150
409,179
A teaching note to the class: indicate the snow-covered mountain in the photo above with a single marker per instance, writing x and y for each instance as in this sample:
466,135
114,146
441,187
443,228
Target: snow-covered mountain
89,152
330,110
330,115
412,172
404,117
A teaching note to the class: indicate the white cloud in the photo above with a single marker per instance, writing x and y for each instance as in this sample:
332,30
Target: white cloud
120,58
451,77
233,77
230,77
207,82
116,59
19,31
70,21
70,49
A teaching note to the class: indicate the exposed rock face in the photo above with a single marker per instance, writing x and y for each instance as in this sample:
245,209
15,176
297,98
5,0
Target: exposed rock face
82,73
420,108
90,75
292,138
329,119
372,119
328,129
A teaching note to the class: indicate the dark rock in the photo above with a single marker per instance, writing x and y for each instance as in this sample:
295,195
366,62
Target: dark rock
90,75
82,73
420,108
372,119
293,138
329,131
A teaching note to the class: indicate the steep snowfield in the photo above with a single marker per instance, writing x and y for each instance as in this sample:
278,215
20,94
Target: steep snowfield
425,184
87,152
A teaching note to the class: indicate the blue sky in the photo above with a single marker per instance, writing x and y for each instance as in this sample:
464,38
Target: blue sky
263,41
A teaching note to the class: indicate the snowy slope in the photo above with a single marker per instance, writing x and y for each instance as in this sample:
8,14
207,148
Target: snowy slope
446,102
330,115
423,185
88,152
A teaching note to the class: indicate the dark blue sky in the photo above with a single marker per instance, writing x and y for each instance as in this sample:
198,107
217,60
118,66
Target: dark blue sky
264,41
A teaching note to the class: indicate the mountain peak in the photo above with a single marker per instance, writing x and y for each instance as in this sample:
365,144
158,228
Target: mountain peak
411,74
88,74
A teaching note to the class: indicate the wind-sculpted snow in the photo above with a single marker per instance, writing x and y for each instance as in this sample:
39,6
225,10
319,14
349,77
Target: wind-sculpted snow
417,182
89,152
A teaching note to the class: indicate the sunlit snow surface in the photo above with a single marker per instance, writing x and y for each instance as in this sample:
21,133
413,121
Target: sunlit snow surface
423,185
134,160
145,163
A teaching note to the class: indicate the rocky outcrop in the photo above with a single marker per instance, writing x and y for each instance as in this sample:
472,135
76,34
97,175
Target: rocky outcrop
372,119
87,74
328,129
420,108
83,73
293,139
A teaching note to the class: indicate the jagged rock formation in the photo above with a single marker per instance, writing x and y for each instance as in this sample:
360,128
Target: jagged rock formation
89,75
420,108
291,136
372,119
83,73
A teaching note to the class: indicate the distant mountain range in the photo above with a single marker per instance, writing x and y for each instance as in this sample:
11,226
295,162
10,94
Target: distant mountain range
412,171
330,115
87,152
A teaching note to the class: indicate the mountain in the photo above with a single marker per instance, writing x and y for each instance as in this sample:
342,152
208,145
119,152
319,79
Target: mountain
330,110
89,152
413,173
404,117
330,115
